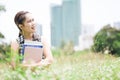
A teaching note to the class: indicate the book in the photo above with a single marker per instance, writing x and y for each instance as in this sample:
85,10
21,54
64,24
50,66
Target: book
32,51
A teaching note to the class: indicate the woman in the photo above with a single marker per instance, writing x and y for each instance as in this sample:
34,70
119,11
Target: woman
26,25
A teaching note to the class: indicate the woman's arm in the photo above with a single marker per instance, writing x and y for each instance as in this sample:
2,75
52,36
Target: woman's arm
14,46
47,53
14,51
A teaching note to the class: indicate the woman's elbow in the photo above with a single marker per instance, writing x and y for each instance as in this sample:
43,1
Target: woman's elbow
50,60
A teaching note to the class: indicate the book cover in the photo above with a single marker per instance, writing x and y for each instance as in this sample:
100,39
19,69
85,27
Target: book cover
32,51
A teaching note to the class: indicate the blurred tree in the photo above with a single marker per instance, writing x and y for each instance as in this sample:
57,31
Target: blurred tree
3,47
2,8
107,40
62,44
68,48
1,35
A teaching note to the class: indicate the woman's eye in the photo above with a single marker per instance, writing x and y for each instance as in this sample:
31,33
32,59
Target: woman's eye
30,20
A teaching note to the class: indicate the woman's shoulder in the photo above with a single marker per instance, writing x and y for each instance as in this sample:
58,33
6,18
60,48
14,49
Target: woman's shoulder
14,45
45,41
14,41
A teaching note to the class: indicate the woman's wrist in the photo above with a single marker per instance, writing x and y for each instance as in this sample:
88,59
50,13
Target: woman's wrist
44,62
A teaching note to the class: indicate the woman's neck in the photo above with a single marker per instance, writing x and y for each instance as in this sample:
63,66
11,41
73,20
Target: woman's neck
28,36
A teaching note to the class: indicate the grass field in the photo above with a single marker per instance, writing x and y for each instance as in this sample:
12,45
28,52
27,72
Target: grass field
81,65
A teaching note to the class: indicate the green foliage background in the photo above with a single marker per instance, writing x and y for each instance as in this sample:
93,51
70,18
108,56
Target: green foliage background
82,65
2,8
1,35
108,38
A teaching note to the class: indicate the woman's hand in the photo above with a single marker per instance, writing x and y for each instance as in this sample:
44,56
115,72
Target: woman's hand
42,63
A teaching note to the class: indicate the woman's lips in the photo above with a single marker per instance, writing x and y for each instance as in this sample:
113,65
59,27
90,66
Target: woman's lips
33,28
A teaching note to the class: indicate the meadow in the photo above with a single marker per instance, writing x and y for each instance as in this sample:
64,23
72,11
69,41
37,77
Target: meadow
80,65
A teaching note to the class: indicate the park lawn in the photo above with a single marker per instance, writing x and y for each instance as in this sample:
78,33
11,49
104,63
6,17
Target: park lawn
77,66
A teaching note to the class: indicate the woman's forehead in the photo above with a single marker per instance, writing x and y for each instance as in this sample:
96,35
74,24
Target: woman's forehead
28,16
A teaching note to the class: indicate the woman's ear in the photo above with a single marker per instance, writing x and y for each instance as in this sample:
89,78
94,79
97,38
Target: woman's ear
20,26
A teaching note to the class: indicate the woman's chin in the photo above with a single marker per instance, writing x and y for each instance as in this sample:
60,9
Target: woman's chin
33,31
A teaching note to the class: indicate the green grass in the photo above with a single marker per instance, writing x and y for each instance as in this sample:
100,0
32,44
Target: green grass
81,65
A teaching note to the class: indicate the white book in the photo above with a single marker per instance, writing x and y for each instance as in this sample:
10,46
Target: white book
33,51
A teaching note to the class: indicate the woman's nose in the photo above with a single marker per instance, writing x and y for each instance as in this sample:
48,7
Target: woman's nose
33,23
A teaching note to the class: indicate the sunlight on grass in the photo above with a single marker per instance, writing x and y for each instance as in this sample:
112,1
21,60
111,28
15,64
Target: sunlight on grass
76,66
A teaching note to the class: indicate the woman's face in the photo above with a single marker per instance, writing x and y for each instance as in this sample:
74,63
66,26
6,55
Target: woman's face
29,24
